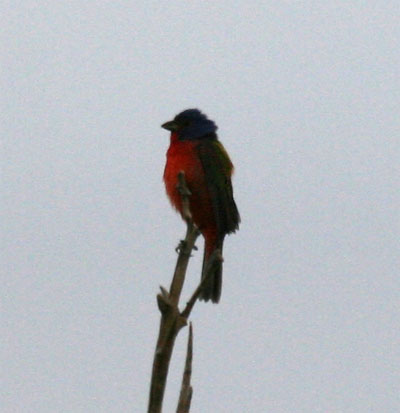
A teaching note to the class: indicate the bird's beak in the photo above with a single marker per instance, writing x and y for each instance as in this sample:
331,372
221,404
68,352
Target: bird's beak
171,126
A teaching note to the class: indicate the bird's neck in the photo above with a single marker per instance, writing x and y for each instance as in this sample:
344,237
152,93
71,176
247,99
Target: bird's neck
174,137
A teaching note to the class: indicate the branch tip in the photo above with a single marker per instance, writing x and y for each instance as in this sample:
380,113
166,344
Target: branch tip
186,393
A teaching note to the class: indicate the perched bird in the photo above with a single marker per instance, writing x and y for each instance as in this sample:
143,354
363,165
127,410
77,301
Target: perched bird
195,149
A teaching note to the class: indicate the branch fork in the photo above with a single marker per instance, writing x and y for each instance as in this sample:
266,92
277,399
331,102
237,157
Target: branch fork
172,320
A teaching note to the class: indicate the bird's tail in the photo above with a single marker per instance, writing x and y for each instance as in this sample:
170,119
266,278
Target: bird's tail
212,269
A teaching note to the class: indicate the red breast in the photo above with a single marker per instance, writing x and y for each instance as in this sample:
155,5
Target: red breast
182,156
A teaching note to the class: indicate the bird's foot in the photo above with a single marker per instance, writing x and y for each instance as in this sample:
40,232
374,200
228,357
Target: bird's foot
181,246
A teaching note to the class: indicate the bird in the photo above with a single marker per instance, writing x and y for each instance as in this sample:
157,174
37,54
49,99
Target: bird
196,150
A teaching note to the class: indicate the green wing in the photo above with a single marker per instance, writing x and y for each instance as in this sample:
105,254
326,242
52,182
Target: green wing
218,171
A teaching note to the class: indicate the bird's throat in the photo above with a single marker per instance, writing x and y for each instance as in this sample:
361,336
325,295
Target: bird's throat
174,137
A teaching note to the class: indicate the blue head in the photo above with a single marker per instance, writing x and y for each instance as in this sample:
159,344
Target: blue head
191,124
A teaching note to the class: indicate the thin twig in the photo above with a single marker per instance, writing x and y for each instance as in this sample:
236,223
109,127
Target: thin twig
185,250
185,193
185,396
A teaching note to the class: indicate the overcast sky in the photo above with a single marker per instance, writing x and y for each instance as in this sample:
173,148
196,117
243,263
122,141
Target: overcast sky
306,97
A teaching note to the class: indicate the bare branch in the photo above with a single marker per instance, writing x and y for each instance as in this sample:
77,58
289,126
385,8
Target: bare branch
185,194
186,389
171,319
185,250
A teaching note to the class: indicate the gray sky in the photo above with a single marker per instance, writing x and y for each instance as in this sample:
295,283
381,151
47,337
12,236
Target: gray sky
306,97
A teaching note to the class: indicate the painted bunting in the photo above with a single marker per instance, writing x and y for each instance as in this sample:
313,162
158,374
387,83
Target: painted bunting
195,149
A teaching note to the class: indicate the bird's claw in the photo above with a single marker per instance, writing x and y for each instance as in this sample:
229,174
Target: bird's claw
181,246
